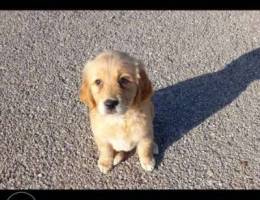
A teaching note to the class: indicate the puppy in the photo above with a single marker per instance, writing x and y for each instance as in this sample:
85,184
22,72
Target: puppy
117,91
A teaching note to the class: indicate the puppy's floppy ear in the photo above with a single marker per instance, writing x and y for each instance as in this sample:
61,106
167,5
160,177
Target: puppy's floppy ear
85,95
145,89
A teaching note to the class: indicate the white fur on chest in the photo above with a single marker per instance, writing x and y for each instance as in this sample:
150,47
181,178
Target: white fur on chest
113,129
119,141
120,144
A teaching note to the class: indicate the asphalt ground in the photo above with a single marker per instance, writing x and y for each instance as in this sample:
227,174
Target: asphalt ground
205,69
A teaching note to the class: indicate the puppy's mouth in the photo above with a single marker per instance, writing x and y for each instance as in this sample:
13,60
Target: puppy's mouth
110,111
111,107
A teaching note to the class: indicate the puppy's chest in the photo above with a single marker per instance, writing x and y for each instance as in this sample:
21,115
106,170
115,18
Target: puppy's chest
123,134
122,144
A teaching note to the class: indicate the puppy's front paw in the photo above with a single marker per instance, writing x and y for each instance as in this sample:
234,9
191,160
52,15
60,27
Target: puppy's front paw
148,164
104,166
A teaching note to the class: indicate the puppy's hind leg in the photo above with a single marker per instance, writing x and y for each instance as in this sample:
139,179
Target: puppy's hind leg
119,157
155,149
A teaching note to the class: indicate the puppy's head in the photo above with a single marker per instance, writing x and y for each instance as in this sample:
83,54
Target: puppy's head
113,82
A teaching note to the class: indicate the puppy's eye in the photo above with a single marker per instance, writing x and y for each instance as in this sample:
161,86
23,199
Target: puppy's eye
123,81
98,82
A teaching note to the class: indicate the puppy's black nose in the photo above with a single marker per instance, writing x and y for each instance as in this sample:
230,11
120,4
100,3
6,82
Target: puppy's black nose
111,104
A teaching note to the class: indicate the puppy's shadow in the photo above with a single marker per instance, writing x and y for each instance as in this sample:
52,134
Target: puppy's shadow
185,105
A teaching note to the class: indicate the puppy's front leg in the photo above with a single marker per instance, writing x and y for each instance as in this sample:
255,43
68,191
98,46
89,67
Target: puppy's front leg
145,153
106,157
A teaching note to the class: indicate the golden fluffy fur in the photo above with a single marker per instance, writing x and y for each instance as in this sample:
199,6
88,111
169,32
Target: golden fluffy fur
116,76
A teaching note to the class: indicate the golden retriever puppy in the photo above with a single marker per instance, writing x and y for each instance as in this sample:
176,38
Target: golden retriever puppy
118,94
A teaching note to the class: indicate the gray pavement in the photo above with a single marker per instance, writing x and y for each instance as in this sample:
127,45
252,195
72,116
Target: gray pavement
205,68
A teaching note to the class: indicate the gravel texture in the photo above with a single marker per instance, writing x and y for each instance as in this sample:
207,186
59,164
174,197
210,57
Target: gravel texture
205,69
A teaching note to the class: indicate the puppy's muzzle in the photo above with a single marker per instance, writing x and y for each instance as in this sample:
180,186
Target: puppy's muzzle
111,104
